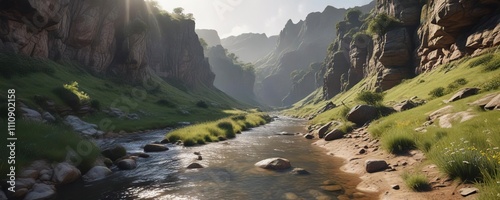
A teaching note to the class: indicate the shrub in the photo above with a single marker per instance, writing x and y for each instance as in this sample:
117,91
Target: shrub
397,143
417,182
437,92
73,87
352,16
382,23
455,85
68,97
202,104
491,85
189,142
370,98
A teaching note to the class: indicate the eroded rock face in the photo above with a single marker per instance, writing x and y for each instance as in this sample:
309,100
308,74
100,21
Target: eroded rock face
106,38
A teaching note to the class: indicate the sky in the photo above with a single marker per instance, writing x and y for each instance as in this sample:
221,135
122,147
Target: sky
234,17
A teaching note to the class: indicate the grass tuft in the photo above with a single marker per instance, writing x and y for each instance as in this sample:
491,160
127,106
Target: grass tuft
416,182
398,143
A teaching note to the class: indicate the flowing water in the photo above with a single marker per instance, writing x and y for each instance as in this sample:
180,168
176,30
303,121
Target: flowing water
229,174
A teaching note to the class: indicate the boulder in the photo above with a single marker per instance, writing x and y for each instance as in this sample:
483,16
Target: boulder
29,173
405,105
165,141
299,171
309,136
195,166
30,114
445,121
80,126
332,188
155,148
141,155
48,117
115,152
96,173
41,191
322,130
494,104
440,112
463,93
65,173
361,114
24,183
484,100
375,165
334,135
274,164
127,164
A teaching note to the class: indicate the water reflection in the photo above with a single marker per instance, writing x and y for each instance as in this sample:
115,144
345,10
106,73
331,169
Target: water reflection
230,172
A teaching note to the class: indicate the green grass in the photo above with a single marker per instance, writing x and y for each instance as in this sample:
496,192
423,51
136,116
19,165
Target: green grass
416,182
37,141
398,143
490,188
370,98
211,131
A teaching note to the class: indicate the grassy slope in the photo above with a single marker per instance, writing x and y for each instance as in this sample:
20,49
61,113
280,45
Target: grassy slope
470,148
32,77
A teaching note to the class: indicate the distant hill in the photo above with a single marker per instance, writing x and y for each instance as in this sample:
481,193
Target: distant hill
250,47
210,36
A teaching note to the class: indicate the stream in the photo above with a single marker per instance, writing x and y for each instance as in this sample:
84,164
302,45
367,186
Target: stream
229,174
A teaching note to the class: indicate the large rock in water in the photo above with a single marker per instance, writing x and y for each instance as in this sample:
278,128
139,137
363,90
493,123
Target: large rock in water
127,164
41,191
65,173
155,148
274,164
361,114
322,130
96,173
375,165
463,93
115,152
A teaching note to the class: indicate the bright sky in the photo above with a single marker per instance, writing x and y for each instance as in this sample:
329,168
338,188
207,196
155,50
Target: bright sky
234,17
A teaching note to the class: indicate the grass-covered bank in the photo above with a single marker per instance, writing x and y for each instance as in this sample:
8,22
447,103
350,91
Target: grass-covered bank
468,151
215,131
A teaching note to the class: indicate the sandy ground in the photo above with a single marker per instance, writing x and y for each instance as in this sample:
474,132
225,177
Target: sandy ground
381,182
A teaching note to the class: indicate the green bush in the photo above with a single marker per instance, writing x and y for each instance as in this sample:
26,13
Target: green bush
416,182
397,143
382,23
370,98
202,104
492,84
437,92
68,97
455,85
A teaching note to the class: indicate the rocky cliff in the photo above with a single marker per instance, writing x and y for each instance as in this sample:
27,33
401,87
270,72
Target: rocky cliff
106,37
210,36
233,78
403,38
299,45
250,47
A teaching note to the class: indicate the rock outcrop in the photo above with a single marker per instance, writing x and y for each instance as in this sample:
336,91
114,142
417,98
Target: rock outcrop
250,47
107,38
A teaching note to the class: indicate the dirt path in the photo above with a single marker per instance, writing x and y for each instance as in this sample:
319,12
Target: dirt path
350,149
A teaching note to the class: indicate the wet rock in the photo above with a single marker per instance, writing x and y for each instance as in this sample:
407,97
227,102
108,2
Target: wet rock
322,130
463,93
41,191
291,196
334,135
284,133
299,171
395,187
108,162
195,166
65,173
165,141
197,153
361,114
87,129
29,173
96,173
274,164
358,195
46,174
494,104
24,183
155,148
468,191
375,165
220,138
141,155
127,164
332,188
309,136
115,152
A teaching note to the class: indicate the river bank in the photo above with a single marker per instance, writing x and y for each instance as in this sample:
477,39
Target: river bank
359,146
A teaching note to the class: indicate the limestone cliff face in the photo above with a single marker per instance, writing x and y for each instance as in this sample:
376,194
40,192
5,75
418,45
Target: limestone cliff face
250,47
107,37
429,33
